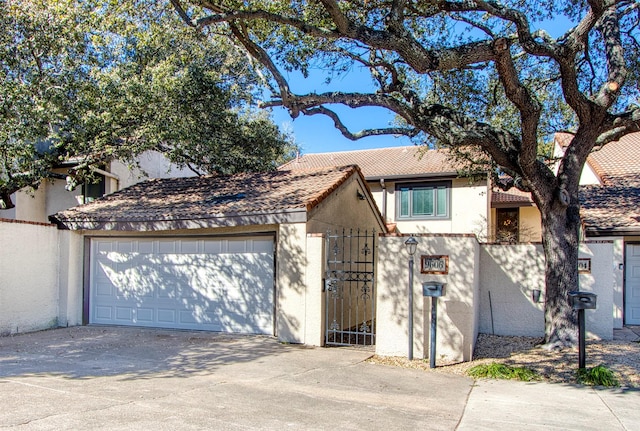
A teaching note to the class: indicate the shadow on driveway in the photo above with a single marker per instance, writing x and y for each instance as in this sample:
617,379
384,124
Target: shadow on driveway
94,351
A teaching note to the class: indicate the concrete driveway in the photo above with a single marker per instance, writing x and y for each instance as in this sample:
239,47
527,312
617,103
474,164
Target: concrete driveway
94,378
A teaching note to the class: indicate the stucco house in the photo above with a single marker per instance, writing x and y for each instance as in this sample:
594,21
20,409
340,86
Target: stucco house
53,194
417,191
420,192
240,253
282,253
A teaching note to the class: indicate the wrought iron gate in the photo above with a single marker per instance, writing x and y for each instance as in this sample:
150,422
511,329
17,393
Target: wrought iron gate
350,288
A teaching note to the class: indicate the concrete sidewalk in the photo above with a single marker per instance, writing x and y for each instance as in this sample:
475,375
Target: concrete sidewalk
130,379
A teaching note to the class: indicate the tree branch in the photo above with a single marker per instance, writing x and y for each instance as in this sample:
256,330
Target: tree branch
419,58
617,72
182,13
411,132
524,101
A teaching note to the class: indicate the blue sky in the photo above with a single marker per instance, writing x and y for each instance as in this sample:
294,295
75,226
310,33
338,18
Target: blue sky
317,134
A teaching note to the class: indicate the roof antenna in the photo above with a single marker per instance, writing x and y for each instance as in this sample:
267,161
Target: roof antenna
297,156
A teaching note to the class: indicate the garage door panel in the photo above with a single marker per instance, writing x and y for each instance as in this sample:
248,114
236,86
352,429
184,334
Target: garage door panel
103,313
632,285
211,284
144,315
124,314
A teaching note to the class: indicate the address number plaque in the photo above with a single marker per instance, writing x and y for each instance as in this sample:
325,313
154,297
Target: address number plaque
434,264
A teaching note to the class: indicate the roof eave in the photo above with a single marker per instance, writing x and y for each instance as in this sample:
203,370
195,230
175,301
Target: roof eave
418,177
222,220
512,204
612,231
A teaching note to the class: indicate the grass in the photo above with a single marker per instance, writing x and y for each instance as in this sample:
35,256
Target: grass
597,376
496,370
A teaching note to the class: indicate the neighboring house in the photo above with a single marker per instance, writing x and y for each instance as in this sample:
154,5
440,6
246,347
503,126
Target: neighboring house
240,253
52,195
610,210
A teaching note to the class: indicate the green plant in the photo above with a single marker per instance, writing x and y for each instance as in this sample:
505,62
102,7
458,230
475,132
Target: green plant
495,370
597,376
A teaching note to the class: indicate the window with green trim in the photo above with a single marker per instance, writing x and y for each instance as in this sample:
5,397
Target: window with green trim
423,200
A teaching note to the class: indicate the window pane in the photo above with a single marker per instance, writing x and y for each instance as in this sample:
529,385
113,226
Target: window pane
442,201
422,202
404,202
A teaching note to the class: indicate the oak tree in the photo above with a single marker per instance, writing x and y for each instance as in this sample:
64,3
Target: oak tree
479,77
88,82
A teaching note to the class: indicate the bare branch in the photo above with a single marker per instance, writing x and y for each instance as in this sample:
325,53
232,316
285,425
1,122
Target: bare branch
363,133
522,24
620,125
416,55
267,16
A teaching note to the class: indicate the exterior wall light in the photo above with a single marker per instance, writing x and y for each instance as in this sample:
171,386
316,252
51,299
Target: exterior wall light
412,246
535,295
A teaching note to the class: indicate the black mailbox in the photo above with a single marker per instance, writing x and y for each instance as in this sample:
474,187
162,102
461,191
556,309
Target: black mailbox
582,300
433,288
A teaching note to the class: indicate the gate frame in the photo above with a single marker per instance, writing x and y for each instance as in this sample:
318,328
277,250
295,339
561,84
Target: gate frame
355,274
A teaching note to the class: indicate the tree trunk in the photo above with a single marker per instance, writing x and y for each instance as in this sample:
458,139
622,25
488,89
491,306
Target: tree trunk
560,238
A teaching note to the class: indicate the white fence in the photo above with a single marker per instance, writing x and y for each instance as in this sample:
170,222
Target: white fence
509,274
489,289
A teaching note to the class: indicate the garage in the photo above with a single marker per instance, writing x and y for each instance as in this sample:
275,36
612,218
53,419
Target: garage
204,283
241,253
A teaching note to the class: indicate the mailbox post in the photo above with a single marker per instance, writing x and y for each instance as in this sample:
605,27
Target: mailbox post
433,289
581,301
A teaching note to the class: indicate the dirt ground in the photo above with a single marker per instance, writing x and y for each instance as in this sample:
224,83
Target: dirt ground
622,355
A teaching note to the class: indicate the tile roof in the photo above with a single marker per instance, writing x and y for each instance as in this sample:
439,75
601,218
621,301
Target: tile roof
614,207
611,209
172,203
393,162
616,159
512,197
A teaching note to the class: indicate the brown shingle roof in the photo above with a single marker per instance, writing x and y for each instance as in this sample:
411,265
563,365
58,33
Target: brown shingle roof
172,203
394,162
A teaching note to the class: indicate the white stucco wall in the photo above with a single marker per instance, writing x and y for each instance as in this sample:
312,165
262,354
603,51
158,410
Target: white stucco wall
468,211
457,311
29,282
291,289
510,273
152,164
314,302
343,209
70,278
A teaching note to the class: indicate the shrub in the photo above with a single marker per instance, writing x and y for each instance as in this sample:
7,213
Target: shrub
495,370
597,376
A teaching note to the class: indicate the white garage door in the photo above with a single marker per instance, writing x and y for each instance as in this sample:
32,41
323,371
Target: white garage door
214,284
